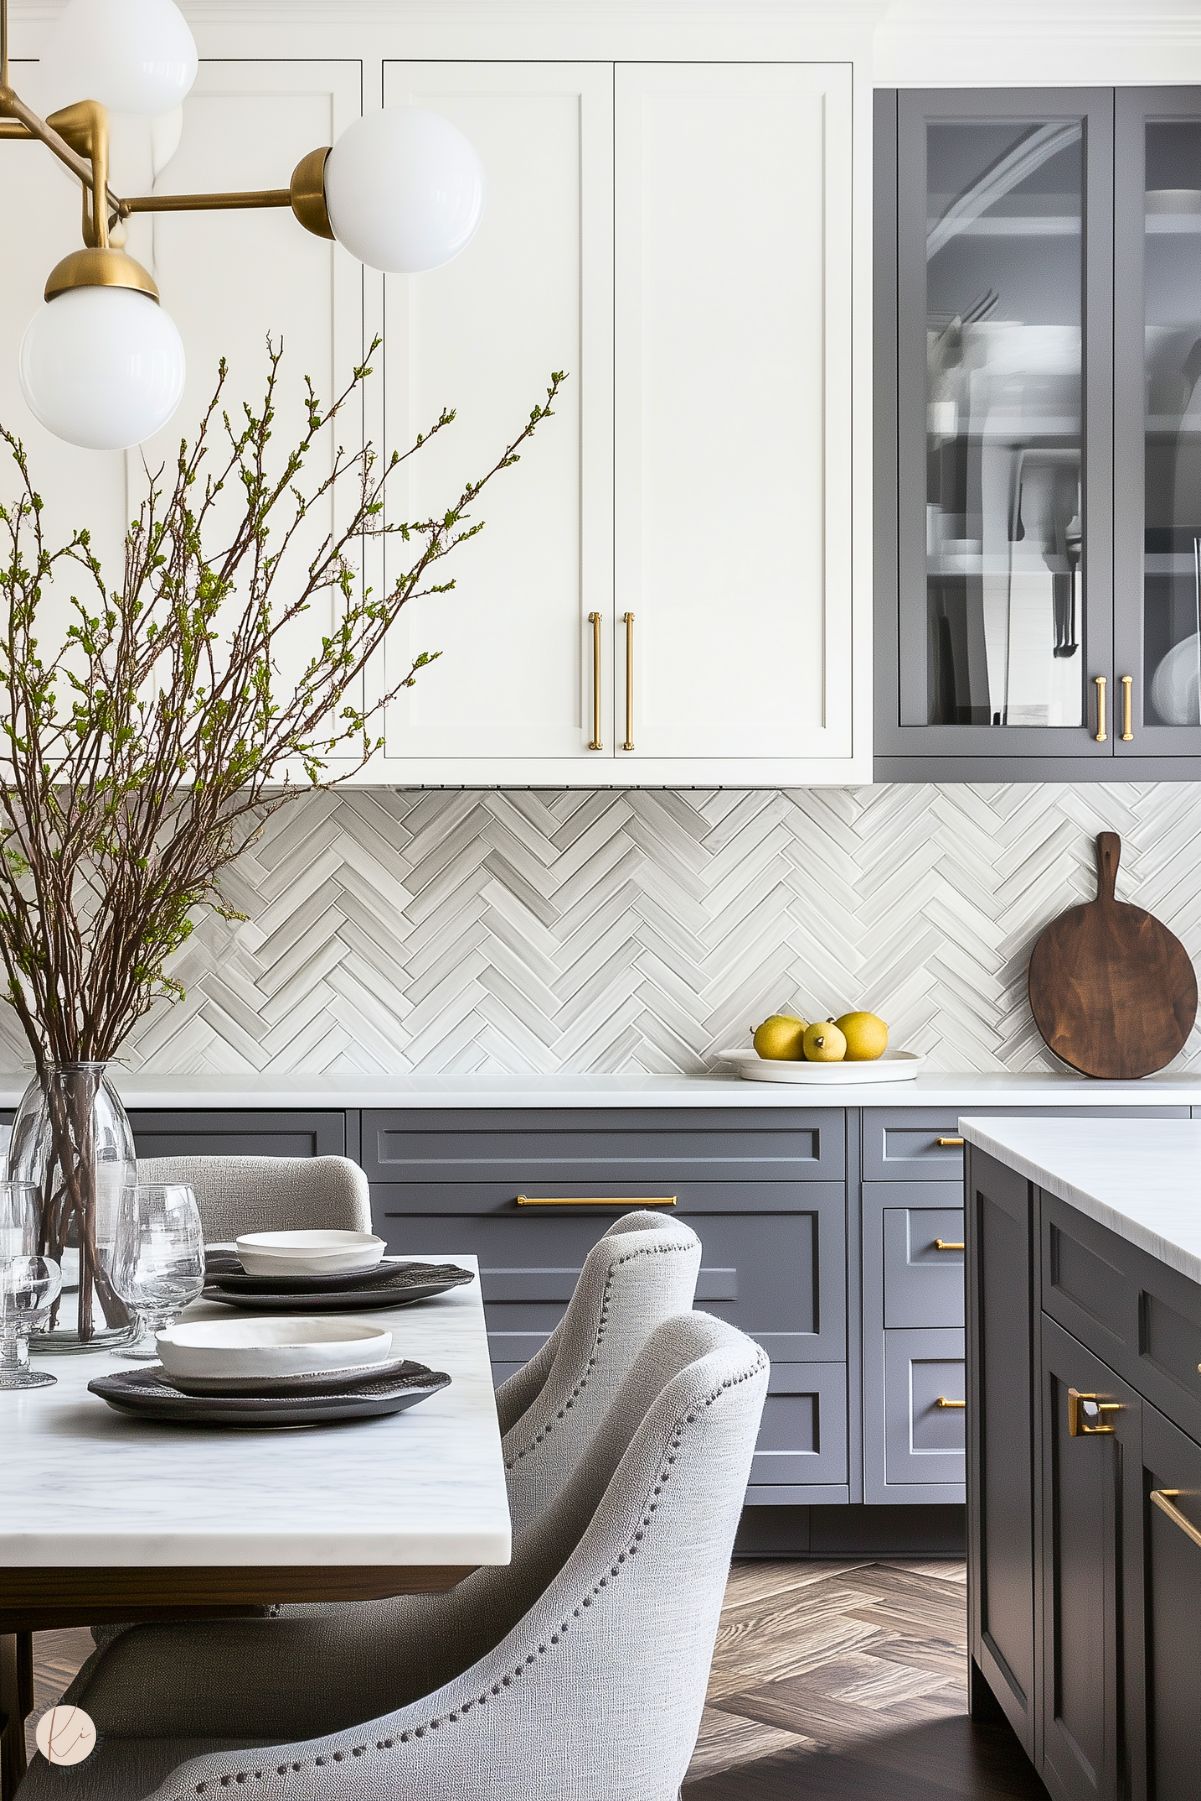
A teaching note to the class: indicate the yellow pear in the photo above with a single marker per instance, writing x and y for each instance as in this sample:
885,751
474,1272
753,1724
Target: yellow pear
824,1042
780,1038
866,1035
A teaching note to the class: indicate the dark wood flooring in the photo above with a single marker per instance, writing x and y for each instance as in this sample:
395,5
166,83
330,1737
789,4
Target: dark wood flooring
830,1680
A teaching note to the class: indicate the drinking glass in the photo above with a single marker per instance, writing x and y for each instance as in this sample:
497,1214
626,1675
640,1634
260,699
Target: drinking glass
158,1261
18,1220
29,1287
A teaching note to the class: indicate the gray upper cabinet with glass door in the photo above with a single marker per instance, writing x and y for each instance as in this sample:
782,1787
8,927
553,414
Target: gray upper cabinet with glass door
994,472
1157,422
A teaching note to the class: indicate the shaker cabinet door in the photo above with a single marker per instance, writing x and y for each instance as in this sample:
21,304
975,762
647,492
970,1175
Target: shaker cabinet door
733,404
1157,421
1162,1590
232,279
995,424
1090,1430
533,292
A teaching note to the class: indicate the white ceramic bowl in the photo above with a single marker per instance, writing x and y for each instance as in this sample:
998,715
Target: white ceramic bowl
282,1346
316,1253
893,1066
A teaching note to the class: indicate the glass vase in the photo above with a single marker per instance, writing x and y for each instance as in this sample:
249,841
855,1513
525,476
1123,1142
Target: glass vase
72,1137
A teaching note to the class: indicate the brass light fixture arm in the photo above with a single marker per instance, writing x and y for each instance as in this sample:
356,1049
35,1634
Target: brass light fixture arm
78,136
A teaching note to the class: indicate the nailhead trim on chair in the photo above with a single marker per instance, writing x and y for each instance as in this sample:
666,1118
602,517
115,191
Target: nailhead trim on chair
453,1714
656,1250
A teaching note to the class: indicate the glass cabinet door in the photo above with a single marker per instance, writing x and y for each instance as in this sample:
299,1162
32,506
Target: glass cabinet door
1003,433
1157,421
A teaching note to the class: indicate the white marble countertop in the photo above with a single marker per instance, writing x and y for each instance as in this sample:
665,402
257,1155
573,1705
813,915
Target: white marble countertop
84,1487
1141,1178
952,1092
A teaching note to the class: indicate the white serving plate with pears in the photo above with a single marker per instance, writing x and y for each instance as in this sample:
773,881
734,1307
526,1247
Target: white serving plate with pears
893,1066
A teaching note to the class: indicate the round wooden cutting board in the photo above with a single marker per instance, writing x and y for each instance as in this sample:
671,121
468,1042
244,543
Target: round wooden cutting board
1113,992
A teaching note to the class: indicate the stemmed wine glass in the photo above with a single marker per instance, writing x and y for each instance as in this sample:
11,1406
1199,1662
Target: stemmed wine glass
158,1258
29,1287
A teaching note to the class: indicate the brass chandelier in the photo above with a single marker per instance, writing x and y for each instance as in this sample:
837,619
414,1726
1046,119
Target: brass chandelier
102,363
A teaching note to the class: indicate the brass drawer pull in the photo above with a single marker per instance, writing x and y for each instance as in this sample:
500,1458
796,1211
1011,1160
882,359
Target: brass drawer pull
1164,1499
948,1144
1081,1407
1127,709
629,624
596,1200
1100,735
949,1244
594,620
947,1404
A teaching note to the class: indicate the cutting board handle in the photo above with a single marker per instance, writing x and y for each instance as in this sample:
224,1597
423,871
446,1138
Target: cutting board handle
1109,851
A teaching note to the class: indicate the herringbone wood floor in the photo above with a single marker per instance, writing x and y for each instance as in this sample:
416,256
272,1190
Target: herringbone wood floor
830,1680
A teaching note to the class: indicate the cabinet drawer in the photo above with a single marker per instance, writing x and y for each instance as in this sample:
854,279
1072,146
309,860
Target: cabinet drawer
656,1149
905,1143
255,1133
923,1283
924,1442
1143,1318
803,1436
781,1277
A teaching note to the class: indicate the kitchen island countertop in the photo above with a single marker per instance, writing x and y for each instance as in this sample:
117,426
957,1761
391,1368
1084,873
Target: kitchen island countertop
1140,1178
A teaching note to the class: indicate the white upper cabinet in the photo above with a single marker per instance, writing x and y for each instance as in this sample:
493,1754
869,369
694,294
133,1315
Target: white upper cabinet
679,237
231,280
733,442
533,292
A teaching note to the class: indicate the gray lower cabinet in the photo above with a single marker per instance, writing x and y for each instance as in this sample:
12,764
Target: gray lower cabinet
911,1313
766,1193
1084,1498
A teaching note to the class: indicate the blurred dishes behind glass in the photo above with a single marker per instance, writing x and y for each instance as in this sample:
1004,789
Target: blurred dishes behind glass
29,1287
158,1258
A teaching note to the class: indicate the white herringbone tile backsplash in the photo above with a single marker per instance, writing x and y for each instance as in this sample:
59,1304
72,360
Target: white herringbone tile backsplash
538,931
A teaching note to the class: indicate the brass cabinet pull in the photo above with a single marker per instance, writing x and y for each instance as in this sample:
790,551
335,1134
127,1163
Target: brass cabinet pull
1100,734
948,1143
949,1244
629,623
1127,709
1164,1499
594,620
596,1200
1079,1405
944,1402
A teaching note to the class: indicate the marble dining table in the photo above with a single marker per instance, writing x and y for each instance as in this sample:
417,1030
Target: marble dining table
107,1517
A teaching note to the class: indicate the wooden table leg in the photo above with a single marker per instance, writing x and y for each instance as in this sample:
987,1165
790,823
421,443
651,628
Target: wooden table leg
16,1703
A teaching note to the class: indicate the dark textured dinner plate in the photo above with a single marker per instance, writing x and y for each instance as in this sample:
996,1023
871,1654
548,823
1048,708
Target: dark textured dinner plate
408,1282
224,1268
151,1395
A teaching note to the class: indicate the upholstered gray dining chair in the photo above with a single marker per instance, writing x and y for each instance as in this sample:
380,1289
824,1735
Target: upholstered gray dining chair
268,1194
641,1272
580,1670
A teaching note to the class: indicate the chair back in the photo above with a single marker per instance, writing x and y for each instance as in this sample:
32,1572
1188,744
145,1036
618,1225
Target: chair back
642,1272
268,1194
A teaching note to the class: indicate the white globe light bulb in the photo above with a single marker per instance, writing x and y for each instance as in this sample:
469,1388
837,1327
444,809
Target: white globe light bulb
102,367
404,189
134,56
